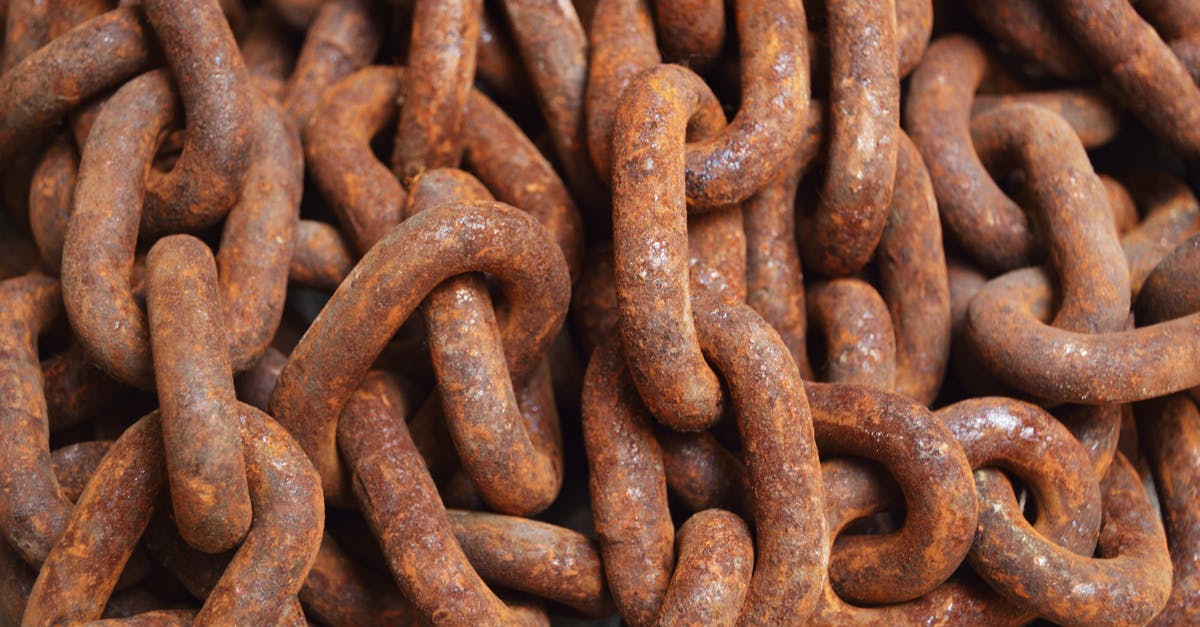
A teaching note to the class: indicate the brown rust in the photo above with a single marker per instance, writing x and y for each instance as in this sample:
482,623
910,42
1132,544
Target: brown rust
1128,582
854,322
51,192
704,474
340,591
534,557
839,235
855,489
33,510
1033,31
650,244
1029,443
268,51
101,236
691,32
1007,320
258,236
621,46
1095,119
512,454
1139,67
975,212
626,473
554,48
321,258
781,457
1172,214
360,189
343,37
1170,430
388,284
100,54
940,518
75,464
517,173
401,504
716,559
265,573
217,101
441,63
195,389
732,165
497,66
774,280
913,278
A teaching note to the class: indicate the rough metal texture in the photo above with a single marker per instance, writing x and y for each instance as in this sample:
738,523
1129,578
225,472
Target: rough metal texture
1147,76
913,278
1128,582
195,389
940,518
218,104
441,61
1170,430
34,510
343,37
81,572
99,55
989,225
388,284
650,244
512,453
669,458
841,232
405,513
856,326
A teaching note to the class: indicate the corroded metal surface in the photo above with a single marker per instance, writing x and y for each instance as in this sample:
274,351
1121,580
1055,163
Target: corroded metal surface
866,328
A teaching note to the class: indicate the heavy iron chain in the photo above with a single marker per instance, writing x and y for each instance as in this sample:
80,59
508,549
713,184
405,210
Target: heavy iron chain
366,312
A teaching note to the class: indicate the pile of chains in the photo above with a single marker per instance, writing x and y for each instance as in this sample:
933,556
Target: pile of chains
366,312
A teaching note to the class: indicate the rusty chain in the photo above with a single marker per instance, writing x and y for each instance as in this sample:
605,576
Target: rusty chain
397,312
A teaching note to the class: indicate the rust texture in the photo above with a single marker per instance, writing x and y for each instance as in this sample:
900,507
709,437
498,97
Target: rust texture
1170,430
217,103
257,238
650,245
497,65
361,190
98,55
553,47
268,51
913,279
988,224
857,328
441,60
692,32
34,510
389,283
534,557
195,388
1143,71
841,232
402,505
1030,444
343,37
101,237
880,313
1130,579
321,258
512,454
940,518
774,279
716,557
